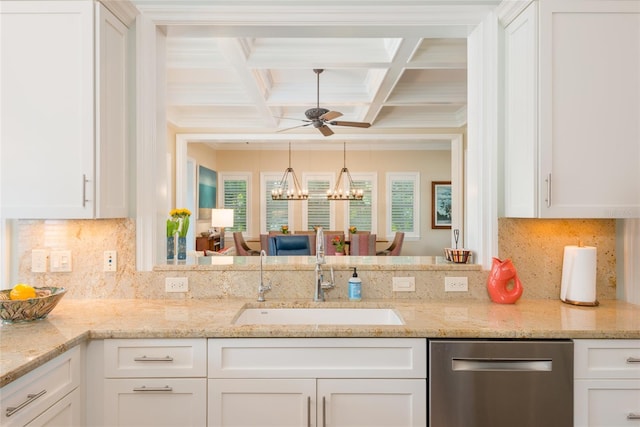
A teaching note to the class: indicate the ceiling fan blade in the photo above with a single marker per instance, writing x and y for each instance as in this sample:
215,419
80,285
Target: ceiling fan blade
291,118
330,115
325,130
352,124
294,127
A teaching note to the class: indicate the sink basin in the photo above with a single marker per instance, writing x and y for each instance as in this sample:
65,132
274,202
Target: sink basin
318,316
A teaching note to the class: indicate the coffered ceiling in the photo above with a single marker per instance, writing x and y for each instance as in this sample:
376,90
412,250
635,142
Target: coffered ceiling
246,67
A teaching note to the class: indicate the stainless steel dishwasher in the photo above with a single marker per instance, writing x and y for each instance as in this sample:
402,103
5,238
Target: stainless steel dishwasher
500,383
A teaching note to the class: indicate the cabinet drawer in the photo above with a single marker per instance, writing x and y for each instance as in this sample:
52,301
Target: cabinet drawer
155,358
32,394
318,358
607,403
155,402
607,358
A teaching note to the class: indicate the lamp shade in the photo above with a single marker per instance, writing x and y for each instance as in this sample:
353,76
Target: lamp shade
222,217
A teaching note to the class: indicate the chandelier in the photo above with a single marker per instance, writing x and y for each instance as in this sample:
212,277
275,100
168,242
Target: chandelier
281,192
351,193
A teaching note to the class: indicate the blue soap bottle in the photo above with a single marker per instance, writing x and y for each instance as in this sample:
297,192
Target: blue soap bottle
355,287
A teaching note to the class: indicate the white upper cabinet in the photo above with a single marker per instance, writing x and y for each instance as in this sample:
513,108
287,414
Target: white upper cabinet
63,146
572,109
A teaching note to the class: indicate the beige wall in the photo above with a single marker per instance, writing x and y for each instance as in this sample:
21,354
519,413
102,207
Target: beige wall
432,166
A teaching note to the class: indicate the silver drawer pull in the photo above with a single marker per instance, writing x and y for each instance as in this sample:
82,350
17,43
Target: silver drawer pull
633,360
145,388
633,416
154,359
30,398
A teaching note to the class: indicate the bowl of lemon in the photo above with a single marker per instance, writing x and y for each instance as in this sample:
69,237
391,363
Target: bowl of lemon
24,303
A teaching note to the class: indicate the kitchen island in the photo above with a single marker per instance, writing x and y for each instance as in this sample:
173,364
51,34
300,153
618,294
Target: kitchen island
25,346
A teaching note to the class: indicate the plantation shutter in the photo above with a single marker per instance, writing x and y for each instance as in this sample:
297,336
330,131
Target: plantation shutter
361,211
277,211
318,209
235,194
403,199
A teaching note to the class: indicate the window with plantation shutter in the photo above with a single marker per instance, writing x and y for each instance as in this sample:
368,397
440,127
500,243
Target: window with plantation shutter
403,204
318,211
273,213
361,213
236,196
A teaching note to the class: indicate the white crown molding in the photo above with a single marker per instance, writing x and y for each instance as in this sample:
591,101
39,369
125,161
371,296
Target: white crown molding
124,10
509,9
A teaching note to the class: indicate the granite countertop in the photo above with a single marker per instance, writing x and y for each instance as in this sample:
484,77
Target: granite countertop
25,346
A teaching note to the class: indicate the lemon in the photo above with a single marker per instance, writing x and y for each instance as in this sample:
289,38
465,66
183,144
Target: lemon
22,291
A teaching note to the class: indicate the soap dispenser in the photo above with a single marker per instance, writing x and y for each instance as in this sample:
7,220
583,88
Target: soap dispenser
355,287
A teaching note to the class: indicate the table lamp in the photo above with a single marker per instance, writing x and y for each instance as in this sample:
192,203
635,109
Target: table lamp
221,218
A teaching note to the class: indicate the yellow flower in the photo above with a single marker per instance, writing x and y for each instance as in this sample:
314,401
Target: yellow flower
179,213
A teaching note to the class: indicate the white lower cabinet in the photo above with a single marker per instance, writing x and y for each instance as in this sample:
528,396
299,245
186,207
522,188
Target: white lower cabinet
317,382
155,382
64,413
607,383
48,396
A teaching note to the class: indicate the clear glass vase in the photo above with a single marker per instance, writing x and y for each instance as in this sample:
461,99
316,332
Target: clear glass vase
182,248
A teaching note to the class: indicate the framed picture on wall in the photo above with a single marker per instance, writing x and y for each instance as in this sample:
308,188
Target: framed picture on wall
207,191
441,204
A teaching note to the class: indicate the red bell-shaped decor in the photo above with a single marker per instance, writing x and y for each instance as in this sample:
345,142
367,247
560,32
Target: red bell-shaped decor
498,283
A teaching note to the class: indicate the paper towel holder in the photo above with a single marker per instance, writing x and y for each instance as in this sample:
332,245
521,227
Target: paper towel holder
581,290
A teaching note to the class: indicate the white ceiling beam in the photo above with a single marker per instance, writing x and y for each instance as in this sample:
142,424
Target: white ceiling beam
257,90
403,54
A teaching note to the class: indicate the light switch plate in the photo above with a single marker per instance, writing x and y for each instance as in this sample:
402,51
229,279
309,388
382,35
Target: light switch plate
39,261
404,284
61,261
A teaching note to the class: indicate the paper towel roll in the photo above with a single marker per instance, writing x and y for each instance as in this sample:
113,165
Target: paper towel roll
579,275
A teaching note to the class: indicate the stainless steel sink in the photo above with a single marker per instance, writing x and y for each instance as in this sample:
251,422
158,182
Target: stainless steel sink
318,316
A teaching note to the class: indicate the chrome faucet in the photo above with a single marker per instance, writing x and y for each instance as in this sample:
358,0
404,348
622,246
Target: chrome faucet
262,288
320,284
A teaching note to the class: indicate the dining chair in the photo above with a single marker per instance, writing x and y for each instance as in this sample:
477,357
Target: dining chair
362,244
242,249
396,246
289,245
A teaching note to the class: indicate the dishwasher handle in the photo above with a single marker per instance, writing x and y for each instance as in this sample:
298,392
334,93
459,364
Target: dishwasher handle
504,365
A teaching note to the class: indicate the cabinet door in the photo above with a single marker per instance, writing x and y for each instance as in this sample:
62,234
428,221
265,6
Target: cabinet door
372,402
589,109
521,117
155,402
112,178
607,403
31,395
47,98
262,402
67,412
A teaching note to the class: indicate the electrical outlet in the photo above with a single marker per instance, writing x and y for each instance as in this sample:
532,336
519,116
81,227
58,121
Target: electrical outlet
456,284
110,261
38,261
61,261
176,284
404,284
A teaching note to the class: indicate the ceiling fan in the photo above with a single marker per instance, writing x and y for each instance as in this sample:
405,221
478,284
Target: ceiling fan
321,117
